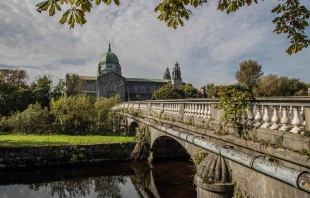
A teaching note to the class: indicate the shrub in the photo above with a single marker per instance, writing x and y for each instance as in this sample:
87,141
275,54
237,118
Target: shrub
73,115
34,120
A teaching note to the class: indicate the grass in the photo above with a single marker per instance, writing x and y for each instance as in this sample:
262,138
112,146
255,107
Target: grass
48,140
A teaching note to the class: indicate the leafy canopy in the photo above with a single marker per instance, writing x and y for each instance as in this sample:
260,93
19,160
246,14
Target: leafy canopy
272,85
169,92
249,73
292,19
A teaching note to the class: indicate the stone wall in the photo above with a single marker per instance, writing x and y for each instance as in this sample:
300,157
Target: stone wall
251,183
110,84
69,154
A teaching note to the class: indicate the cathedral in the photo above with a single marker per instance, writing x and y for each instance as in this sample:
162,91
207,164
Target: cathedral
110,81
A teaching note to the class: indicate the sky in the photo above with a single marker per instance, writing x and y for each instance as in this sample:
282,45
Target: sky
208,48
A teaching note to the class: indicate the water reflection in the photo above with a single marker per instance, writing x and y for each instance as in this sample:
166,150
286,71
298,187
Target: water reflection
163,179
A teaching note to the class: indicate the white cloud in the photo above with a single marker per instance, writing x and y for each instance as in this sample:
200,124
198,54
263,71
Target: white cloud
208,48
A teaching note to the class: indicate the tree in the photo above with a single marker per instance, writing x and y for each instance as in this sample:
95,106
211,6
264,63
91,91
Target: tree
33,120
209,89
73,115
15,94
74,84
167,92
17,77
292,19
249,73
295,87
42,90
272,85
106,118
188,91
59,90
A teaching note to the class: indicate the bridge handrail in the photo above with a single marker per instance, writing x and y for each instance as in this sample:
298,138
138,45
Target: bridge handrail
276,113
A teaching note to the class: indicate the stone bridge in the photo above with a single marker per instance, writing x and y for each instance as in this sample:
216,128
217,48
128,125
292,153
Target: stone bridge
270,160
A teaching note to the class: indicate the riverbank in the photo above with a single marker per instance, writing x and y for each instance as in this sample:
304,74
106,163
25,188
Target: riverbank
28,156
56,140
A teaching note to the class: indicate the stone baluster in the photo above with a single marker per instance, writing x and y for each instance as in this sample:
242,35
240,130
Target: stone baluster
296,121
202,110
284,120
205,113
176,109
266,117
187,109
191,110
275,119
194,110
199,110
303,116
209,111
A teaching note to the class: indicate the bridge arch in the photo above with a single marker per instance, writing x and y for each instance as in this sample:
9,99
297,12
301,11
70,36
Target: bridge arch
132,129
167,147
164,145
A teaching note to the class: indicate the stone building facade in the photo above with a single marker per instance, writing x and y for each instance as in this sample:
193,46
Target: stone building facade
110,81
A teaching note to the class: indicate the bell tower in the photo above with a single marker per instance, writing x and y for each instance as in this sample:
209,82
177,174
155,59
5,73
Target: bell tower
176,76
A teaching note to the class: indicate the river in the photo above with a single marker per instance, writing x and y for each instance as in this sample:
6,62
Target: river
173,178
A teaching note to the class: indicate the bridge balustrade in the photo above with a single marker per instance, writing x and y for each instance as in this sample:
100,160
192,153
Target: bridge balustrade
283,114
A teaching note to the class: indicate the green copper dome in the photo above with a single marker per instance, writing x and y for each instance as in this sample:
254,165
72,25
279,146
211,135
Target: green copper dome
109,57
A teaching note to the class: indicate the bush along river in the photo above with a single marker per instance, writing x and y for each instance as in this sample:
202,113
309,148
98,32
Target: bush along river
170,178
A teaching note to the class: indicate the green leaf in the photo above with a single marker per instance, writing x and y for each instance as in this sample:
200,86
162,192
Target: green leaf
52,9
117,2
58,7
65,17
97,2
107,1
